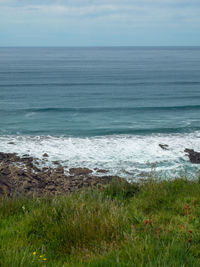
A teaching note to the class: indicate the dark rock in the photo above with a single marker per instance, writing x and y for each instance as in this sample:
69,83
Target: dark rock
80,171
193,155
5,170
45,155
44,169
19,176
60,170
4,156
16,171
164,146
4,185
8,157
101,171
27,159
27,185
11,143
34,168
51,188
56,162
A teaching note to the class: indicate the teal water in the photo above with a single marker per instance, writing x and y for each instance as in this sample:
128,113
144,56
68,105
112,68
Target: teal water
104,106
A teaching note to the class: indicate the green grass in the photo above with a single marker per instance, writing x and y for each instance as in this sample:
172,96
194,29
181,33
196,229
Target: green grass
154,224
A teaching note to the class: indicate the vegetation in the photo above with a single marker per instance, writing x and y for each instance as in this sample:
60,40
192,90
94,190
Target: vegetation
154,224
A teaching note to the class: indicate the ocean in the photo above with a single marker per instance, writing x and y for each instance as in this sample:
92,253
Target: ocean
106,107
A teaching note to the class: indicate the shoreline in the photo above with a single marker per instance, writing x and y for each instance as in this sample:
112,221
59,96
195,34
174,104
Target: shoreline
26,175
125,156
22,176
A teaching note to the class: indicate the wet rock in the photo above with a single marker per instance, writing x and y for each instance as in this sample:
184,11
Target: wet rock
25,156
19,176
35,169
4,156
27,159
8,157
164,146
193,155
56,162
45,155
101,171
44,169
60,170
80,171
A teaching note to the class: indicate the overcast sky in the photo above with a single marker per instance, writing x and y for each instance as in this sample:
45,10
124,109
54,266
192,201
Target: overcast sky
99,22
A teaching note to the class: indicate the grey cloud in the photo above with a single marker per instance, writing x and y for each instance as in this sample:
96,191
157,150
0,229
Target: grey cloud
137,13
150,3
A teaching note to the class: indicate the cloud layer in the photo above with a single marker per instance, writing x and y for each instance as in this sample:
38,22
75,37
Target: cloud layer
92,22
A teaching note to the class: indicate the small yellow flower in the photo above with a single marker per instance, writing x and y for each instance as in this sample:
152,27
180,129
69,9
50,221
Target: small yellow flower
41,256
34,253
44,259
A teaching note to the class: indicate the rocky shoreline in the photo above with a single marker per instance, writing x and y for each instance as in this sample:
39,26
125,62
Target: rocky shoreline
21,176
194,156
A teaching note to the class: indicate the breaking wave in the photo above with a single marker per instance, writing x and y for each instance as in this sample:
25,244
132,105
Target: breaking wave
125,155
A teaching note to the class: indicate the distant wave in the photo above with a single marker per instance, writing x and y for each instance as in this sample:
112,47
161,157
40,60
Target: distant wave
104,109
101,131
116,83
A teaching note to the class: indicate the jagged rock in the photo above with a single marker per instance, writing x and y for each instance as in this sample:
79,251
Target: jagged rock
5,170
193,155
80,171
34,168
164,146
45,155
6,156
56,162
44,169
19,176
101,171
60,170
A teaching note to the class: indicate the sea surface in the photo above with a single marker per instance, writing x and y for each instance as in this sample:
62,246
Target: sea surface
108,108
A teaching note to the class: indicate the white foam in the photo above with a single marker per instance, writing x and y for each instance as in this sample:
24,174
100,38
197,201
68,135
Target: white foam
120,154
30,114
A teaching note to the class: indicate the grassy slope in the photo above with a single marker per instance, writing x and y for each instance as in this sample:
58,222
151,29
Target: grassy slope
157,224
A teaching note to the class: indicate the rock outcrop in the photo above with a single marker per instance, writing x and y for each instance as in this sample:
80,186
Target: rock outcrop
193,155
164,146
21,176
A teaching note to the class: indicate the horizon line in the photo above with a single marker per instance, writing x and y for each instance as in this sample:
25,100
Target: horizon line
103,46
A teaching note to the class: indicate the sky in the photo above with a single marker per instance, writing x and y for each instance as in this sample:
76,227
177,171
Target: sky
100,23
